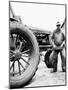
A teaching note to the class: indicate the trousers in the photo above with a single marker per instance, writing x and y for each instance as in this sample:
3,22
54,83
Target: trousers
54,59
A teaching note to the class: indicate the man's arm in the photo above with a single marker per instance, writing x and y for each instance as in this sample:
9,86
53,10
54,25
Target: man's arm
51,40
63,44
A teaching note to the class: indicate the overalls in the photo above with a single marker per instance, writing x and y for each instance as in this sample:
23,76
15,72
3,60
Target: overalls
58,38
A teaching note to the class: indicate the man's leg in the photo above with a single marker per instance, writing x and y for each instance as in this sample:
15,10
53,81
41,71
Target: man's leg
63,58
53,58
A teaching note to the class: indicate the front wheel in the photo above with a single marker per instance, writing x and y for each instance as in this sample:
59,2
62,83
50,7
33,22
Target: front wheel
47,59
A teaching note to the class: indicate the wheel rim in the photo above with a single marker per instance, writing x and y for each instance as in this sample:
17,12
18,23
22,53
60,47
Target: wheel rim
20,53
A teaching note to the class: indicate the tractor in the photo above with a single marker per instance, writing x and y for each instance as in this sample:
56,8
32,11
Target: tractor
25,45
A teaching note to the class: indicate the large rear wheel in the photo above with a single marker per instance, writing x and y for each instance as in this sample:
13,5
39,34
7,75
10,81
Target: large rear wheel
24,56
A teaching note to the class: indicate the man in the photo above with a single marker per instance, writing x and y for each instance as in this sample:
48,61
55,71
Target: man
57,40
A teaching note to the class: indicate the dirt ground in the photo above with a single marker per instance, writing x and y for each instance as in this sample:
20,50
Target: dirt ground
44,77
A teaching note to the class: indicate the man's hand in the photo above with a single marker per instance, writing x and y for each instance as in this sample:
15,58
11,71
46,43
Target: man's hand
54,46
63,44
57,47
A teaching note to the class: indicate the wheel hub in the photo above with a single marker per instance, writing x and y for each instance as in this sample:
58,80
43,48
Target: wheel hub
17,54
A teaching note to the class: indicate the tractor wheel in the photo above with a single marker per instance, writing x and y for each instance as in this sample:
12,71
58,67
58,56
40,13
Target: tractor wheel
24,55
47,60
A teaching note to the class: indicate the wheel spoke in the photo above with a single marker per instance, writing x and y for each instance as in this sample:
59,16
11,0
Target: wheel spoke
24,60
11,51
21,65
25,51
17,38
20,46
12,56
23,41
19,68
13,68
12,65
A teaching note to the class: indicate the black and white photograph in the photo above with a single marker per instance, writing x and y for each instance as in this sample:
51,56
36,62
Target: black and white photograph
37,44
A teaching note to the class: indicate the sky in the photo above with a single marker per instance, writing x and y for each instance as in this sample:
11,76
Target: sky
42,16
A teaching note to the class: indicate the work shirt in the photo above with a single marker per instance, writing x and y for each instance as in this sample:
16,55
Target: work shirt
58,37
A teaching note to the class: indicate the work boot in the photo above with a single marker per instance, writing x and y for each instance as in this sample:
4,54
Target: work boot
54,70
64,69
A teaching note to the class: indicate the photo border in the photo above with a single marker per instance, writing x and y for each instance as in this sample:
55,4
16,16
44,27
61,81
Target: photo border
65,42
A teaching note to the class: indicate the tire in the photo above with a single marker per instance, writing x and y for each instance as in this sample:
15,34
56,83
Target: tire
47,60
23,79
